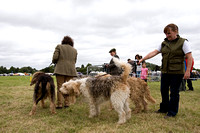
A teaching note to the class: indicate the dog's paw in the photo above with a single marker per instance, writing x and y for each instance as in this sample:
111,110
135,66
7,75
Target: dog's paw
110,109
31,113
91,116
53,113
128,116
121,122
136,112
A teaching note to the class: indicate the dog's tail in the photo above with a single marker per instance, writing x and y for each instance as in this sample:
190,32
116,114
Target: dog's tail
43,89
35,77
52,89
148,94
125,66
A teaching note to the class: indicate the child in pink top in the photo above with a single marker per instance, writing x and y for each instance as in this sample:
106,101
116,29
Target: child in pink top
144,72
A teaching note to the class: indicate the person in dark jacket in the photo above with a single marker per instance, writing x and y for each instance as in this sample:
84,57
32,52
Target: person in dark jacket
113,69
134,66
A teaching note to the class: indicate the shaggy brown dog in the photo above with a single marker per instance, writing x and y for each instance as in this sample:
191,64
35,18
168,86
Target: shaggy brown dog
100,89
139,94
44,87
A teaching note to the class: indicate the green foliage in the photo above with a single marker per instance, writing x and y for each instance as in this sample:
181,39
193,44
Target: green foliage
16,70
49,69
83,69
27,70
13,70
152,66
3,70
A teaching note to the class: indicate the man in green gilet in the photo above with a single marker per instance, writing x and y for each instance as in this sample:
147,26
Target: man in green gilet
173,49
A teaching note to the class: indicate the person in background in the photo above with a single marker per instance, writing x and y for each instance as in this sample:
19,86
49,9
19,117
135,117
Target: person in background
64,56
189,81
133,64
182,85
139,65
113,69
174,49
144,72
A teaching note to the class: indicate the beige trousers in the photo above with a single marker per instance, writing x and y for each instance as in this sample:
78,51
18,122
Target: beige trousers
60,80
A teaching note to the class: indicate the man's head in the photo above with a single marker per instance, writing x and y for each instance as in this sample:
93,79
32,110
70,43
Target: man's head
112,52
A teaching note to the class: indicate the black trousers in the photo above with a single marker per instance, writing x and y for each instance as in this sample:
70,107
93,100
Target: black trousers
189,82
170,84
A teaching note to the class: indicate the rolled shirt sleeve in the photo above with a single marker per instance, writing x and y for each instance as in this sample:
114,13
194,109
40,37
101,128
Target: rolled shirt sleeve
186,47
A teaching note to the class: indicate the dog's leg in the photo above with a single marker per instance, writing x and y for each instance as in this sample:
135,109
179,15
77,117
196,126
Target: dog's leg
145,104
42,103
137,103
138,107
111,107
118,104
33,109
127,110
72,99
52,107
97,109
52,102
93,111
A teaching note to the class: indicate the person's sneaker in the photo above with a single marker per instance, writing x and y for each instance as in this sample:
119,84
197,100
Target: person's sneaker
160,111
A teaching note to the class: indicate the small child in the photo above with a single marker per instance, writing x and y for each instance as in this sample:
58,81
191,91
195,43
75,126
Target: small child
144,72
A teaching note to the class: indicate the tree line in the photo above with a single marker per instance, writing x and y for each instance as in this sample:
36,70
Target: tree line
17,70
50,69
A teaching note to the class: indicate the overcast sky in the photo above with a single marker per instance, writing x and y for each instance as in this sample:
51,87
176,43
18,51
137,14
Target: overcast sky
31,29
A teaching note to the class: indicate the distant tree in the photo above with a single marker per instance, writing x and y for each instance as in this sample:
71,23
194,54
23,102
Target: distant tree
83,69
152,67
3,69
13,70
82,66
49,69
88,65
27,70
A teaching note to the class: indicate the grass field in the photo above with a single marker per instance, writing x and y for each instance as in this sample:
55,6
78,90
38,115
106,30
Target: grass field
16,103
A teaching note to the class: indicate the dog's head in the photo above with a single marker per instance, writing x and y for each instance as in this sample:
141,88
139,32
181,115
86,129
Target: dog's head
71,88
36,75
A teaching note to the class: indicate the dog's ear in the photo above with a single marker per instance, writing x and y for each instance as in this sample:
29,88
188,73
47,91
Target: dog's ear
78,84
76,89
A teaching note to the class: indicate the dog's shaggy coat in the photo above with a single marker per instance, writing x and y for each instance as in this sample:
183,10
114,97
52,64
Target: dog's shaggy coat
44,87
139,94
100,89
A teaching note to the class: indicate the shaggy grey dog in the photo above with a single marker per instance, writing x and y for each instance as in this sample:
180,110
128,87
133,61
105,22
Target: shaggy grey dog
100,89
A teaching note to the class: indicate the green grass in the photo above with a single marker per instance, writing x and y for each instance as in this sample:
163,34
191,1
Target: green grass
16,102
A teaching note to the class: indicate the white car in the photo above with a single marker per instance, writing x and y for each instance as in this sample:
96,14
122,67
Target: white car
21,74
